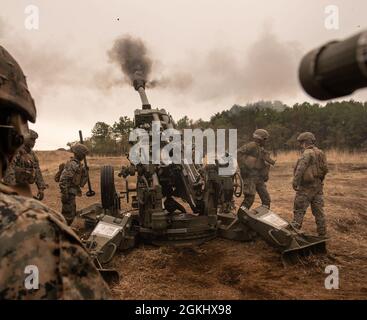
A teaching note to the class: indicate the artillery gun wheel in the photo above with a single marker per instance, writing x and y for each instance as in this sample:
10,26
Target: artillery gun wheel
109,196
237,185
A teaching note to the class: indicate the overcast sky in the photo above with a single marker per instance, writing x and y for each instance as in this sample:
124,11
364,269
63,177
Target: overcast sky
214,53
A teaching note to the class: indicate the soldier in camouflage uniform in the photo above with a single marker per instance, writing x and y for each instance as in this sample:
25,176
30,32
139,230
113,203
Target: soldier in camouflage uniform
73,177
24,168
254,162
31,235
309,175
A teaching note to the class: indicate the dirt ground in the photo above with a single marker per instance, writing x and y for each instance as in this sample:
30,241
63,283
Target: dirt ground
223,269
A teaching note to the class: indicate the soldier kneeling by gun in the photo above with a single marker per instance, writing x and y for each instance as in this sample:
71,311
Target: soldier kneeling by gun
254,162
71,177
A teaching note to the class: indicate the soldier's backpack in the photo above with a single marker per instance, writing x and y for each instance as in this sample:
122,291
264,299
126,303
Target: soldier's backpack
59,172
321,168
317,168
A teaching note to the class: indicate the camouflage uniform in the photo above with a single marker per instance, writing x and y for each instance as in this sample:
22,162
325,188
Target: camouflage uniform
73,177
25,169
255,178
309,191
31,235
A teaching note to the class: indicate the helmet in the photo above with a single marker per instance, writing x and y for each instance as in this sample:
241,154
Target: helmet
79,149
33,135
306,136
13,87
261,134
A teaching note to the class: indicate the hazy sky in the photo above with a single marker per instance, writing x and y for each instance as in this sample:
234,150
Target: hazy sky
214,54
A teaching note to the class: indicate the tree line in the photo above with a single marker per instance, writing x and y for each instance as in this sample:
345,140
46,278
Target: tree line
341,125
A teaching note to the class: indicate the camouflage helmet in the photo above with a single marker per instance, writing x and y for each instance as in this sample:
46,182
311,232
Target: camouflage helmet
33,135
14,92
261,134
79,149
306,136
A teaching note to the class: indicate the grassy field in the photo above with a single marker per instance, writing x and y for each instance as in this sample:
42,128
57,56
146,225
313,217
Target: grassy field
222,269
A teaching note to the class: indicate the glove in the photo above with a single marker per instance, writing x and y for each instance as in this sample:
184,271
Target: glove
40,195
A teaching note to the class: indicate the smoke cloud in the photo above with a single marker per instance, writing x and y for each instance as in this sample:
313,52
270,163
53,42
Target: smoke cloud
176,80
271,67
266,70
132,55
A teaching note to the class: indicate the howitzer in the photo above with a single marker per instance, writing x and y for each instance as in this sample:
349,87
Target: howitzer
162,200
90,192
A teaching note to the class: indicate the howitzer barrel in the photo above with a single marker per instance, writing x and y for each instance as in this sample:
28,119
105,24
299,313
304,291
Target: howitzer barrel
139,85
144,98
336,69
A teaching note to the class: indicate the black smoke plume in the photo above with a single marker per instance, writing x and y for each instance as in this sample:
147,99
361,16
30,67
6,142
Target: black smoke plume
131,55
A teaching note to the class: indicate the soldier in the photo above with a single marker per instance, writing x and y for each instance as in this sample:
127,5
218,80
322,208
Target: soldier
309,175
40,256
255,163
73,177
24,168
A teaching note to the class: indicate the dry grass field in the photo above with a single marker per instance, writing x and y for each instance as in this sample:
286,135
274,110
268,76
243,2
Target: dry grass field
222,269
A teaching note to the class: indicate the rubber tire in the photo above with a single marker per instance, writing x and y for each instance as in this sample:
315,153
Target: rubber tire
108,189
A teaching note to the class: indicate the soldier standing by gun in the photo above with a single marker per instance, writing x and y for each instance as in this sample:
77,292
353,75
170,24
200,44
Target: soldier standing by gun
308,182
25,168
254,162
32,234
73,177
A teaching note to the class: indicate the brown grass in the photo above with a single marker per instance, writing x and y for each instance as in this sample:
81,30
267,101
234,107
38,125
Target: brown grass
334,157
222,269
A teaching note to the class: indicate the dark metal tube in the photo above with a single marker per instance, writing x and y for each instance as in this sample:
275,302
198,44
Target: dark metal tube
336,69
144,98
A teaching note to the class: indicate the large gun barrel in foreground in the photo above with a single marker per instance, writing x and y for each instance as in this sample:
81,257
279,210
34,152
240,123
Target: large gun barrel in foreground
336,69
